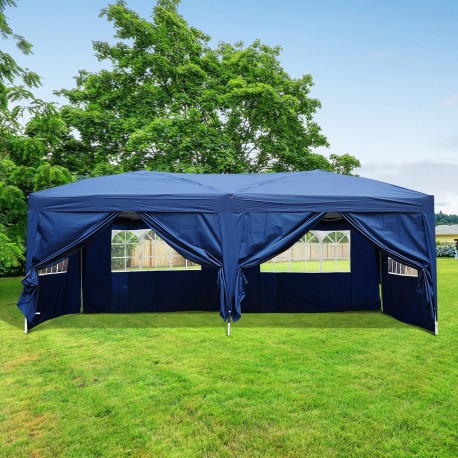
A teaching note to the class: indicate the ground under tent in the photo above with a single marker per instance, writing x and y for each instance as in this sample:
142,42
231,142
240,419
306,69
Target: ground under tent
287,242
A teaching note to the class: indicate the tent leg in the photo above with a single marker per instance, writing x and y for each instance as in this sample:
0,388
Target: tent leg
228,327
381,279
436,328
81,282
26,328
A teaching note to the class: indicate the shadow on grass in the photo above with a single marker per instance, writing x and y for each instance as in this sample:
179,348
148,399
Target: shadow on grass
330,320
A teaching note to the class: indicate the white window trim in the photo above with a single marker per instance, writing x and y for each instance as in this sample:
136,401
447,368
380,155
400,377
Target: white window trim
399,266
141,235
49,270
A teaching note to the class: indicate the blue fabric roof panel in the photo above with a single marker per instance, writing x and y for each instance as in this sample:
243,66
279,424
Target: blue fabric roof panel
177,192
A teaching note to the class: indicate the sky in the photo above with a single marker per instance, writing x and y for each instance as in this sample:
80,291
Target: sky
385,71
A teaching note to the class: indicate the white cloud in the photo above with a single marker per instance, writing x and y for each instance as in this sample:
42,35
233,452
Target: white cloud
437,178
451,101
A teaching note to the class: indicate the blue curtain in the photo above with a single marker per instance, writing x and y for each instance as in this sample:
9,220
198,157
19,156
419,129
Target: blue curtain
58,235
196,236
230,241
406,238
266,235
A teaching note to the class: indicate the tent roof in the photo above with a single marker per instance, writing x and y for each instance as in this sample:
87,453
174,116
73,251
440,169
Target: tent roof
295,191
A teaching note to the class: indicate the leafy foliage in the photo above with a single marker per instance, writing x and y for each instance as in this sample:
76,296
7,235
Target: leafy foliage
13,217
344,164
443,218
30,130
170,102
446,250
11,255
9,69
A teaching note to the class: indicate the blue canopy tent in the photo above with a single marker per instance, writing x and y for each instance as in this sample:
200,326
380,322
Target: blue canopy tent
230,225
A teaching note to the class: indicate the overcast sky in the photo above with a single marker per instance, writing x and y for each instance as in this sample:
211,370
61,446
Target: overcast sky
386,71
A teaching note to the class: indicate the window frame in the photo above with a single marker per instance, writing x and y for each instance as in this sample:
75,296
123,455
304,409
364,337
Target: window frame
317,238
61,268
400,266
148,236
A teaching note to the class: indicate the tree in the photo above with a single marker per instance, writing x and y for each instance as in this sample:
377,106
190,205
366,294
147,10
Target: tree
344,164
24,147
170,102
443,218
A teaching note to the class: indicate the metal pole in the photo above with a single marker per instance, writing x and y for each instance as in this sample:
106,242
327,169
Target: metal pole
321,255
229,325
26,329
81,282
381,279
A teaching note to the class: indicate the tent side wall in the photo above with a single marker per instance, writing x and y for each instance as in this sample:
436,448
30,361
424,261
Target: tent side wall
150,291
59,294
145,291
318,292
401,299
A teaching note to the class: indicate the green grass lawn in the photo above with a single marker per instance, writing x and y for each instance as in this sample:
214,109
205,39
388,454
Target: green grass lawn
310,266
172,384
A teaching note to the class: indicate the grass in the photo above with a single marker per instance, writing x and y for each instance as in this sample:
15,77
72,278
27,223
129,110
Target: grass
172,385
310,266
327,265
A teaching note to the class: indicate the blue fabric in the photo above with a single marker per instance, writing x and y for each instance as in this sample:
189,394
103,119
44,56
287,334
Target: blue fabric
196,236
230,222
145,291
59,234
97,273
318,292
265,235
158,292
120,292
193,235
402,301
365,293
404,238
313,191
59,294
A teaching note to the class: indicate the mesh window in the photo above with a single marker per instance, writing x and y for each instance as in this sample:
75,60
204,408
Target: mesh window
59,268
397,268
317,251
143,249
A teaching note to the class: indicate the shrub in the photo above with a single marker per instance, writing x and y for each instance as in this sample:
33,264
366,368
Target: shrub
445,250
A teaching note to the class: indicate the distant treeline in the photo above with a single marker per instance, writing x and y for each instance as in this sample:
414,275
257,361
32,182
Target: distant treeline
443,218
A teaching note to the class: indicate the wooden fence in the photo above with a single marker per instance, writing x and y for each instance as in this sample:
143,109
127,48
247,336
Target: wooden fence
157,254
311,251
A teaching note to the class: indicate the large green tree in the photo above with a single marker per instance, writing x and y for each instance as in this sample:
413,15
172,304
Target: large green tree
171,102
30,130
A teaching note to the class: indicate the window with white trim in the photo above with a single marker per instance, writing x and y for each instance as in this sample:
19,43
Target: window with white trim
397,268
317,251
143,249
59,268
